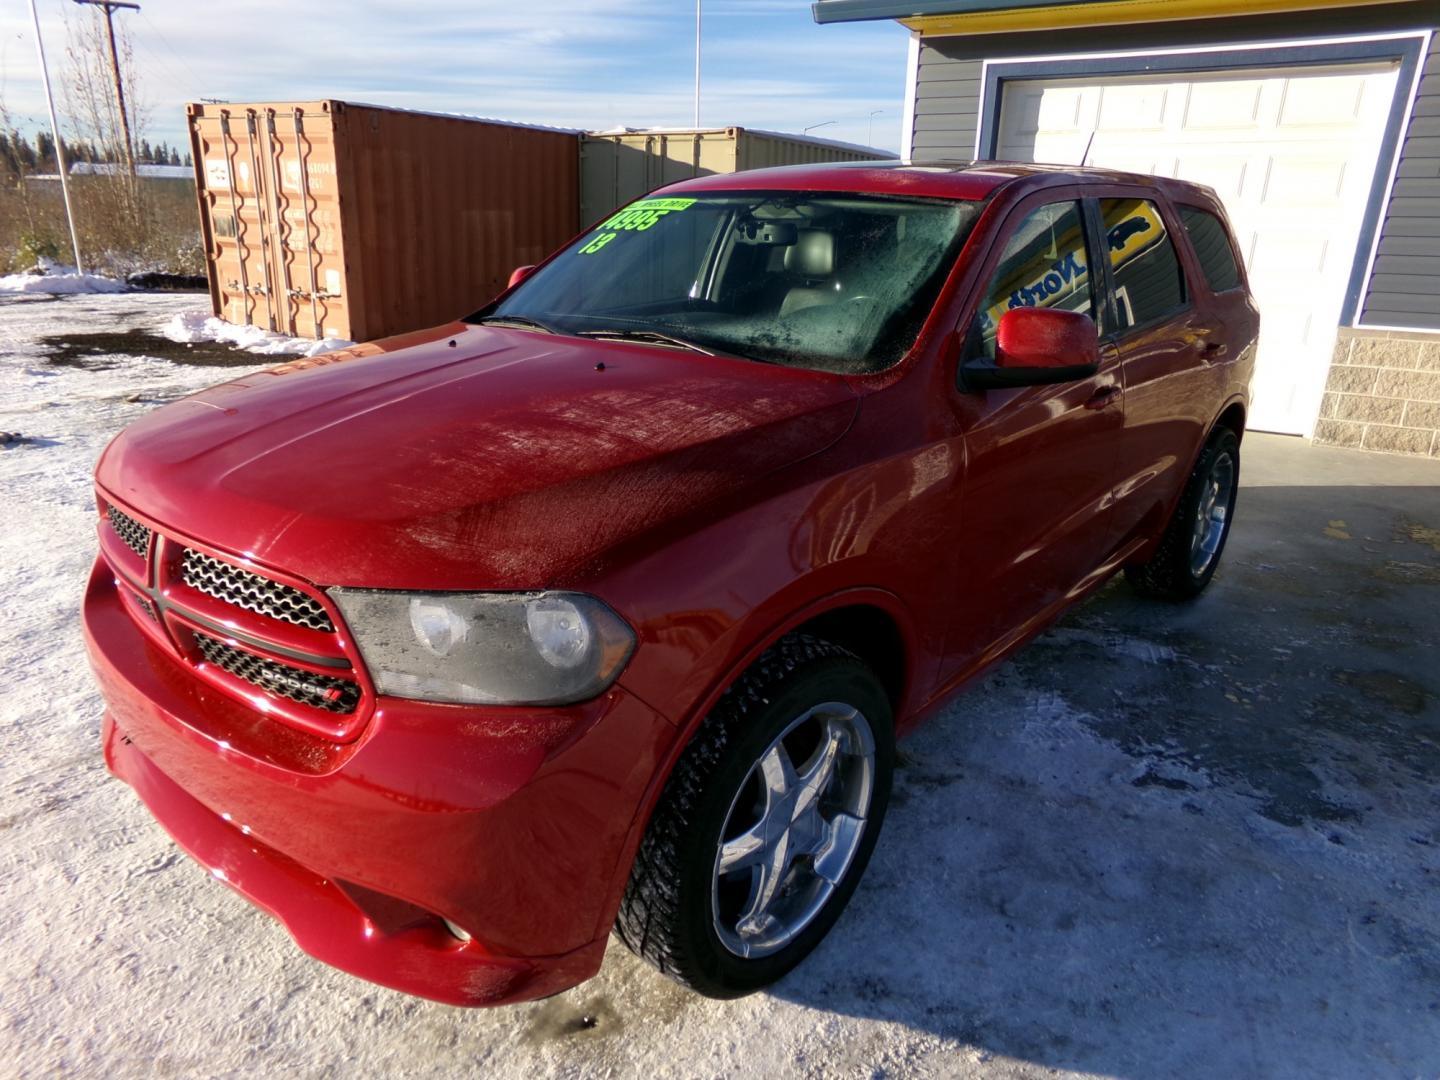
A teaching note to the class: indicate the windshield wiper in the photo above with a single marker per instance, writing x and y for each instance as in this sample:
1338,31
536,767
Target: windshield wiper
653,337
518,320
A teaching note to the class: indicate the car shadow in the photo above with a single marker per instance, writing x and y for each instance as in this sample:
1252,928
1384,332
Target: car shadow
1194,839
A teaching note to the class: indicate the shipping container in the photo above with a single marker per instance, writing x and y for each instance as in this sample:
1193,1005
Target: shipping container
618,166
331,219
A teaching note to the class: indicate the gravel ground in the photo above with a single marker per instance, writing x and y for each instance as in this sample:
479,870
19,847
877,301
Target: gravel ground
1195,841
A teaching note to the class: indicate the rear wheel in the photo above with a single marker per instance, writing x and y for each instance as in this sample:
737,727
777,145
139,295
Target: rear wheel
766,824
1190,550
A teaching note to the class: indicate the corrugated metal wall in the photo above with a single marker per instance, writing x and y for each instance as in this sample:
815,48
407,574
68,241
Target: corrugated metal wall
439,210
618,167
270,214
766,149
1405,287
361,222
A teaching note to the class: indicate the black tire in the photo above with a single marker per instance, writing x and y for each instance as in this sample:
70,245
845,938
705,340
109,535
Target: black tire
1171,574
667,915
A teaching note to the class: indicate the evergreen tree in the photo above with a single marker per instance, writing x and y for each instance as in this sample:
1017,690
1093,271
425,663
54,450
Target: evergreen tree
45,152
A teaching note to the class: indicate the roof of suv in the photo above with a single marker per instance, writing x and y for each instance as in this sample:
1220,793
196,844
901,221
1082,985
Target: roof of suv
935,179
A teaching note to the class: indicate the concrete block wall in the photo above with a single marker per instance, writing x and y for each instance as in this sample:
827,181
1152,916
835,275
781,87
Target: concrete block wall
1383,393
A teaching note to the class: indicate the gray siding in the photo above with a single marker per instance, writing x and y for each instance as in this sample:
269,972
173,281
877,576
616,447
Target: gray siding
1405,285
947,102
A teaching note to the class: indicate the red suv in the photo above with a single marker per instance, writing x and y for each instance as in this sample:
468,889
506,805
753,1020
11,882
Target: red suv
603,607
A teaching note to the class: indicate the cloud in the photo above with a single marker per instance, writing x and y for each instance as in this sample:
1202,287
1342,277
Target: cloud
561,62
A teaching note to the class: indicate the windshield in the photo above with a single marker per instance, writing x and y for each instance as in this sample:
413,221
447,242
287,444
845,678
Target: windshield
829,281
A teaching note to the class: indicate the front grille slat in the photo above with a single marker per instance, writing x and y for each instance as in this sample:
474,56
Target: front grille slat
305,687
134,535
249,590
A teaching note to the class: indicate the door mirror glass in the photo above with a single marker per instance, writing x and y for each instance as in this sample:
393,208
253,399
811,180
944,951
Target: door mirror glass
1046,338
1034,347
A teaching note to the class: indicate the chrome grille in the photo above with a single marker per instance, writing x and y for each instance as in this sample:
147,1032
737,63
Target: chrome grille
318,691
252,592
135,536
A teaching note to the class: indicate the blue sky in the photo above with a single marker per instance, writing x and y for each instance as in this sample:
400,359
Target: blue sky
570,63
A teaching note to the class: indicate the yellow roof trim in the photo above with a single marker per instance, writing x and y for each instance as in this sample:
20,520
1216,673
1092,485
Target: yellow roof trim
1110,13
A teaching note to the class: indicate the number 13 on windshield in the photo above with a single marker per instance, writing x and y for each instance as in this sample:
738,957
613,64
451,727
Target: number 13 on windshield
598,243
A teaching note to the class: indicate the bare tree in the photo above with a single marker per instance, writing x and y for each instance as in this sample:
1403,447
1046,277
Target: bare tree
90,90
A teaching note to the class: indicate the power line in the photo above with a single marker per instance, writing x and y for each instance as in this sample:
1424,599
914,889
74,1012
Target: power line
197,82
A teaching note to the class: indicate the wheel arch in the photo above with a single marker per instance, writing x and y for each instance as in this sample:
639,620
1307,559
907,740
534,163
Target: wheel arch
844,618
1232,417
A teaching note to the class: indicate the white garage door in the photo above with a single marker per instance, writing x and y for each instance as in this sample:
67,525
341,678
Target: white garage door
1291,155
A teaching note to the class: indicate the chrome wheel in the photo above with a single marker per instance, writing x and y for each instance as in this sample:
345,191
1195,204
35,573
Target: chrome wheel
792,831
1212,514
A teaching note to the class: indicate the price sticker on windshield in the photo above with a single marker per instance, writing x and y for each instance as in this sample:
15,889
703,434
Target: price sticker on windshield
635,218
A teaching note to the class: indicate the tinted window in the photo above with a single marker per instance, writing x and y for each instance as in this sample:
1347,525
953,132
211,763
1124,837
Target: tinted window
1143,263
1212,247
1045,264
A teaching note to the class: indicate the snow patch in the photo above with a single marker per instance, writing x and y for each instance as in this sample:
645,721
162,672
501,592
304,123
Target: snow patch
60,284
189,327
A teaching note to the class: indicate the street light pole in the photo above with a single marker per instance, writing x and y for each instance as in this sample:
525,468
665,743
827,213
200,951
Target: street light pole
697,63
59,147
109,7
870,137
812,127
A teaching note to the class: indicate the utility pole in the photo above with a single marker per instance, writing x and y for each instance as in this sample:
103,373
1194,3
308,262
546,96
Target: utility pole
109,7
59,145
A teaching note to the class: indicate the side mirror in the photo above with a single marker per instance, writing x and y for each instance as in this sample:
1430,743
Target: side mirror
1035,346
519,274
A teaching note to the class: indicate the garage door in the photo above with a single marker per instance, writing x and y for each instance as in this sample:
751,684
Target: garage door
1293,157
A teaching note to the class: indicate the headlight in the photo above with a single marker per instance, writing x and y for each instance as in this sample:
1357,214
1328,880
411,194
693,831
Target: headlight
487,648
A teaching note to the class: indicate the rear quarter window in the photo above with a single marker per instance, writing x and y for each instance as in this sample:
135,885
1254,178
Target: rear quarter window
1212,248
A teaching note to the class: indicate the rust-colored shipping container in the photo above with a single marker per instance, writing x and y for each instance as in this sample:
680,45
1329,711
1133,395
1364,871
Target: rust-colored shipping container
330,219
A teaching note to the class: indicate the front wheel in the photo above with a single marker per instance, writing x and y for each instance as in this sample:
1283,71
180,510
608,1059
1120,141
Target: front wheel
766,824
1190,550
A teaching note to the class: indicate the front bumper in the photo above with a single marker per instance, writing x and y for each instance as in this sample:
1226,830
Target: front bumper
509,823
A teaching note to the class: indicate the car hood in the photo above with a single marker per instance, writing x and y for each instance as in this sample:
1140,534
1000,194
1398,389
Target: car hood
467,456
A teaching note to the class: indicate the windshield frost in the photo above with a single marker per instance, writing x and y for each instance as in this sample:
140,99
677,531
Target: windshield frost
837,282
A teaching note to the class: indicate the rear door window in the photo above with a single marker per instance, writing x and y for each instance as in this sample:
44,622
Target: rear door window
1149,284
1212,248
1045,264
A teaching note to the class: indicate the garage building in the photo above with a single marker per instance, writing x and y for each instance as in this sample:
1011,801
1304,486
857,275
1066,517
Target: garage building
1318,123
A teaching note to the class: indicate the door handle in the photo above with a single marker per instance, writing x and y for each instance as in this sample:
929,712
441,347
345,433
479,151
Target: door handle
1106,395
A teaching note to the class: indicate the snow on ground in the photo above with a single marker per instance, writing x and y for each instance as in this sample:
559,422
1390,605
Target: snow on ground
65,282
1193,841
200,325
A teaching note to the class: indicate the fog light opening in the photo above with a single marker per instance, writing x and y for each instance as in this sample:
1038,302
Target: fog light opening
455,931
